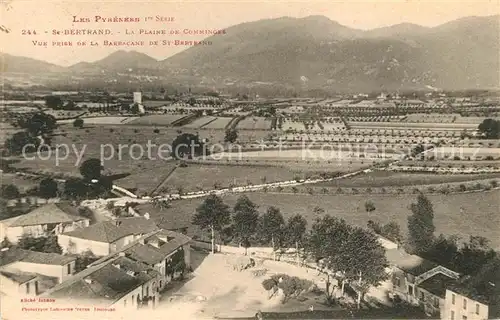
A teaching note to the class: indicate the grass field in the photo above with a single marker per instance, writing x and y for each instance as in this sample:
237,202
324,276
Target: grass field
146,182
200,122
101,120
156,120
21,182
196,177
219,123
396,179
257,123
460,214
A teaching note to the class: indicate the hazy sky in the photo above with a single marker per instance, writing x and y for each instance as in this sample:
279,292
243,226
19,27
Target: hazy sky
44,16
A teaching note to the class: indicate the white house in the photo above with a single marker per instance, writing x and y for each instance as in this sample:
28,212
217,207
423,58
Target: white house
53,218
106,237
29,273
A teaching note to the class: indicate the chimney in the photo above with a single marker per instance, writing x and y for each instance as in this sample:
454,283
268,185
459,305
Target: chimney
146,216
118,223
89,281
121,254
117,266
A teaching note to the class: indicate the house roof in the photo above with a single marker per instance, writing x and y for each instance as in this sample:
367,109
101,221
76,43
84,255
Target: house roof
47,214
152,248
109,281
18,276
19,255
110,231
411,264
437,284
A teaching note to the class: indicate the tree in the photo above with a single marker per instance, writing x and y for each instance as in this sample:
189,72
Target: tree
22,142
75,188
245,219
421,225
392,231
272,227
295,232
5,243
78,123
48,188
91,169
51,245
490,128
10,191
474,255
84,259
231,135
212,214
53,102
38,123
369,206
187,144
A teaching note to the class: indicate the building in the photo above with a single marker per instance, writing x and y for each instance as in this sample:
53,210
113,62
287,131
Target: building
461,307
54,218
167,252
419,281
106,237
116,283
30,273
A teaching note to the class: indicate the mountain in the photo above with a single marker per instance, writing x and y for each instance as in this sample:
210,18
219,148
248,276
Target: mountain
10,63
459,54
120,60
317,53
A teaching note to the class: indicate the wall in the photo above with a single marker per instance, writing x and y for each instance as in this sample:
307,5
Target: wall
187,254
457,307
429,301
405,281
77,245
13,288
120,243
58,271
13,234
129,301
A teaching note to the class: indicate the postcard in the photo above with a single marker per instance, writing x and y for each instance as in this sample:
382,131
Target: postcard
258,159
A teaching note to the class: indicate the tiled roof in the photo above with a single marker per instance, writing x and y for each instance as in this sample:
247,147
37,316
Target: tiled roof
110,231
47,214
152,248
411,264
14,254
106,282
18,276
437,284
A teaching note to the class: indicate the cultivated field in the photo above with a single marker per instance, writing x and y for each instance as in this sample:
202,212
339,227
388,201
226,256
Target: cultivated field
146,182
196,177
412,125
218,123
379,179
200,122
461,214
21,182
101,120
254,123
157,120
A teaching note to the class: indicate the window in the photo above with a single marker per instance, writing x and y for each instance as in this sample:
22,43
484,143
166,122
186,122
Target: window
132,299
464,317
452,298
27,288
452,316
125,302
477,308
69,268
422,295
410,290
465,304
36,288
436,302
398,282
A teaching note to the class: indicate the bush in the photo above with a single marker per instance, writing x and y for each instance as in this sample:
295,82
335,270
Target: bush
156,130
268,284
493,183
78,123
462,187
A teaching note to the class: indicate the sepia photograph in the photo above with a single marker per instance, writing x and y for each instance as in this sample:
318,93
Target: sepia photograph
255,159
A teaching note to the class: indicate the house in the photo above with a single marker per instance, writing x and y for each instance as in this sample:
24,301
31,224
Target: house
29,273
106,237
419,281
116,283
53,218
475,297
161,250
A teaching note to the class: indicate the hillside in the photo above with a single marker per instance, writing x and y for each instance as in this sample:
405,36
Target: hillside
10,63
317,53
